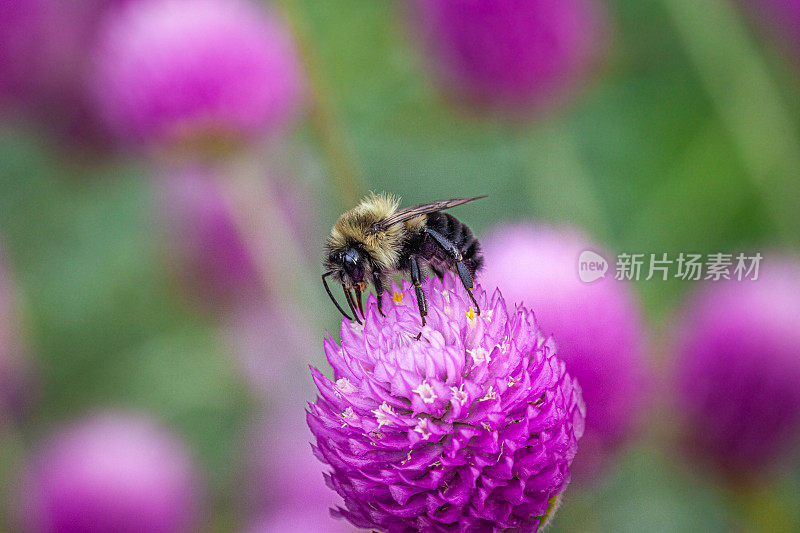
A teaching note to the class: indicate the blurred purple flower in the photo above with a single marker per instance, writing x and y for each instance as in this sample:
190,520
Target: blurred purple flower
287,490
18,20
513,53
738,373
110,473
196,71
297,520
781,18
472,427
38,40
44,46
271,345
596,326
202,239
217,266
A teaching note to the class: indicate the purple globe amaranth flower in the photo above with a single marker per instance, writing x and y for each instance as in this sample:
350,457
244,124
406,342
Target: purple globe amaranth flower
110,473
738,369
202,239
204,229
40,42
19,24
196,71
297,520
470,428
286,489
44,46
513,53
597,327
270,344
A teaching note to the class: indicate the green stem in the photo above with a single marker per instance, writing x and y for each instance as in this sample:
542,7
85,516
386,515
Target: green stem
283,267
342,165
761,509
561,188
12,453
746,100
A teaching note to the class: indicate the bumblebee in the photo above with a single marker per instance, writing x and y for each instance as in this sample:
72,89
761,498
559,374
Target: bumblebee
375,240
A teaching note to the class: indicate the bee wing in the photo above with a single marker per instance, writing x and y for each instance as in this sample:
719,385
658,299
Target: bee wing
401,215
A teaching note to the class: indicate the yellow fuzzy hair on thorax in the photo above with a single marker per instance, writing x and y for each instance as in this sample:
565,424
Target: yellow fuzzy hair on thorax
354,226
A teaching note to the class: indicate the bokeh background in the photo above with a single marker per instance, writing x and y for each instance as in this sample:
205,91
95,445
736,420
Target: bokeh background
168,175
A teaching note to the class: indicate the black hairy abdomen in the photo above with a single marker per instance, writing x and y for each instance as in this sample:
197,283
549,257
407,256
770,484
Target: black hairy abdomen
423,245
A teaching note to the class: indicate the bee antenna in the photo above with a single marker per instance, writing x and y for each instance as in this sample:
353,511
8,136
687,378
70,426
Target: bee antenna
330,294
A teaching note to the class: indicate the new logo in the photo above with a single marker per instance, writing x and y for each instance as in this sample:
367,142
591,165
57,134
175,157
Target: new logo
591,266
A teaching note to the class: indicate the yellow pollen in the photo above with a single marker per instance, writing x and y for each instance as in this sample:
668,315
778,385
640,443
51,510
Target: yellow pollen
397,297
470,314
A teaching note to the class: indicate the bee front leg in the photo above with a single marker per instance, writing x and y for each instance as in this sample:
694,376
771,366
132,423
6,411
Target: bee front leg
416,280
359,301
351,303
378,283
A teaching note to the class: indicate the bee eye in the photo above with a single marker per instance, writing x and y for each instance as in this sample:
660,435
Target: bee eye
350,261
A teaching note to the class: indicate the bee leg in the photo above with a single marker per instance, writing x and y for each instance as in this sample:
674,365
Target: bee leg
439,272
463,271
349,298
466,280
378,283
359,301
415,279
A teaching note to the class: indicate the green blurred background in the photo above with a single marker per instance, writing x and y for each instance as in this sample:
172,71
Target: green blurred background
686,140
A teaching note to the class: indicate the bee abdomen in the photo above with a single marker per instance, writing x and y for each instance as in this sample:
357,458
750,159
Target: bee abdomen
460,235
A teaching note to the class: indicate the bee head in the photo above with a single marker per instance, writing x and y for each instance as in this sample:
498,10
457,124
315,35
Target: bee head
352,265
